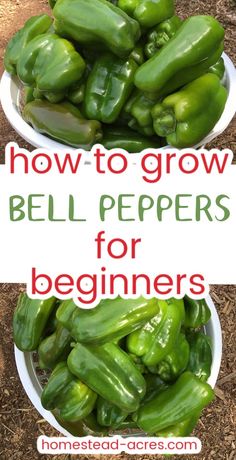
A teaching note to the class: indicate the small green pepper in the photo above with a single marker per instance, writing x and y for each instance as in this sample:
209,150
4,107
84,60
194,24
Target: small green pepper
139,109
200,359
54,348
148,12
176,361
197,312
161,34
108,414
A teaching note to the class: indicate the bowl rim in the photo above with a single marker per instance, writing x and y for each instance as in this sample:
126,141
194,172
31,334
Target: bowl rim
9,86
30,382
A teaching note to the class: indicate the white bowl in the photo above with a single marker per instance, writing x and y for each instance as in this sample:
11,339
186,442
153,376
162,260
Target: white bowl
10,100
30,378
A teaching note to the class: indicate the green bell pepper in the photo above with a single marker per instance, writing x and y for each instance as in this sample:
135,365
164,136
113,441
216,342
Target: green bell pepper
200,359
96,21
218,68
197,312
33,27
62,122
196,46
176,361
127,139
187,116
181,429
30,321
139,109
111,319
108,87
54,348
108,414
68,395
148,12
157,337
161,34
182,400
110,372
50,63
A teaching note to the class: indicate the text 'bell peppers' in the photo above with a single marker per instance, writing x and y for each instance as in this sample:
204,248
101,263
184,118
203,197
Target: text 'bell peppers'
161,34
30,320
72,398
186,117
108,87
197,312
110,372
148,12
182,400
34,26
62,122
176,361
111,319
197,45
200,358
127,139
96,21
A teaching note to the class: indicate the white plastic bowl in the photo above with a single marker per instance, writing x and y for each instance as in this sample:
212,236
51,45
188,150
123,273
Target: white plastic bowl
10,98
30,379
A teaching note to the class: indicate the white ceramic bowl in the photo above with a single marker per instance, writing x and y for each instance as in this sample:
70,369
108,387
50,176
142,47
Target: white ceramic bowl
10,100
30,378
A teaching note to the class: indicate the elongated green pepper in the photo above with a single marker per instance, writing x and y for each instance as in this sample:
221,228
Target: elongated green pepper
64,392
186,117
157,337
33,27
200,359
176,361
30,321
161,34
111,319
94,22
182,400
110,372
108,87
54,348
148,12
127,139
139,109
62,122
196,46
197,312
108,414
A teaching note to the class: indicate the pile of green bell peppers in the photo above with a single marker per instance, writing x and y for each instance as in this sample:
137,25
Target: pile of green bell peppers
128,74
139,364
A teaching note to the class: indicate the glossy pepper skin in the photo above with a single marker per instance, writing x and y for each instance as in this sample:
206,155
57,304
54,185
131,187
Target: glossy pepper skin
33,27
139,109
157,337
110,372
196,46
54,348
176,361
184,399
127,139
161,34
154,386
108,414
218,68
148,12
197,312
181,429
108,87
50,63
30,321
94,22
111,319
200,359
62,122
72,398
184,118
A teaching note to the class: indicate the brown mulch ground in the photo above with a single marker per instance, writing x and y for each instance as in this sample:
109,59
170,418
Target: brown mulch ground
20,423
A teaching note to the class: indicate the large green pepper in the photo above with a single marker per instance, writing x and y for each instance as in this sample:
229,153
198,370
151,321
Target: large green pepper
108,414
184,399
200,359
62,122
176,361
72,398
157,337
181,429
148,12
187,116
161,34
111,319
110,372
127,139
30,321
34,26
54,348
197,312
94,22
108,87
50,63
196,46
139,109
